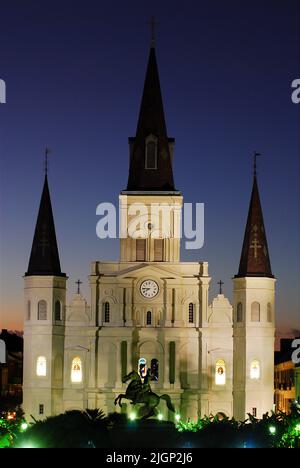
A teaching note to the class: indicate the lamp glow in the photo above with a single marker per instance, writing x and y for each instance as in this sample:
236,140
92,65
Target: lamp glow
24,426
132,416
160,417
177,417
272,429
297,427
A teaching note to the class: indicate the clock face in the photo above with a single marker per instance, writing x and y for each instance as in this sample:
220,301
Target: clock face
149,289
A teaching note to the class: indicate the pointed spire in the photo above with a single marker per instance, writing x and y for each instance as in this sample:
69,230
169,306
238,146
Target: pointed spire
255,260
151,126
44,257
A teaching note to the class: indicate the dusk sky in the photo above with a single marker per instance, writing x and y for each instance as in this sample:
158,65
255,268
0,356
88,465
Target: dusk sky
74,73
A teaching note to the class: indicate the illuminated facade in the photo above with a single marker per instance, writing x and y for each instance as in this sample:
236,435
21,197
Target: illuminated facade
210,358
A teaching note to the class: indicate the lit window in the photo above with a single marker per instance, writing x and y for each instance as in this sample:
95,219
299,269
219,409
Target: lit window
41,366
269,312
239,312
151,155
191,312
76,372
254,370
106,312
42,310
28,312
255,312
148,318
220,375
57,311
154,370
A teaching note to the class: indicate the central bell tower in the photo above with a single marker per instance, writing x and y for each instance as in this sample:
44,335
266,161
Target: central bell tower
150,207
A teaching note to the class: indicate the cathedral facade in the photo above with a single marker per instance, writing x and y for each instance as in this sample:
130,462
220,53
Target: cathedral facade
210,358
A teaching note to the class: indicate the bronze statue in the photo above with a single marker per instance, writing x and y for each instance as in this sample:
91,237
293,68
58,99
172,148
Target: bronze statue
139,391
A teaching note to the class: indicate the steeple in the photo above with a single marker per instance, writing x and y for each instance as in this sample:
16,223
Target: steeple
44,257
255,260
151,149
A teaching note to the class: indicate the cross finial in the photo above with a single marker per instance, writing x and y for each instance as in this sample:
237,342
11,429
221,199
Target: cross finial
47,152
78,282
220,283
152,24
254,162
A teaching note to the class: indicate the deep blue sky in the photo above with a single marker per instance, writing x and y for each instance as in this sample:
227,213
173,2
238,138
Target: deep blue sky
74,73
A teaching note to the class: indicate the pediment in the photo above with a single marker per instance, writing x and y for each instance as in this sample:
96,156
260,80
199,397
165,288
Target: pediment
148,269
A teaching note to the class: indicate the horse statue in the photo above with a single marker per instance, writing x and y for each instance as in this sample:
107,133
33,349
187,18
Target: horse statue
139,391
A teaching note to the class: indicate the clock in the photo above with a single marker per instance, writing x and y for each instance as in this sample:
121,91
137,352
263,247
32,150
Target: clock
149,289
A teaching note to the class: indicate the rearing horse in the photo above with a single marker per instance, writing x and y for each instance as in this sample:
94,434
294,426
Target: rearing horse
136,392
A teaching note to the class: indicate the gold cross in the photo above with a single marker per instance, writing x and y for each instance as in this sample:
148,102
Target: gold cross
255,245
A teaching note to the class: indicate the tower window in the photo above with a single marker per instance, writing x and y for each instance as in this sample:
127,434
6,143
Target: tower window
158,250
154,370
148,318
191,312
220,373
41,408
41,366
57,310
254,412
76,370
239,312
254,370
106,312
28,311
42,310
151,155
255,312
269,312
140,250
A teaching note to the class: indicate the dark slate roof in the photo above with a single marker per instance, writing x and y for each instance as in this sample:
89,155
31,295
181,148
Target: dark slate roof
44,257
151,121
255,260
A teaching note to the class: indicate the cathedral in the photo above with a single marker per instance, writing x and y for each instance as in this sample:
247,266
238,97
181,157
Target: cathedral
210,358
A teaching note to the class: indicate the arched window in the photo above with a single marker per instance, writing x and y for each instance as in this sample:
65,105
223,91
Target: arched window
239,312
269,312
191,312
106,312
41,366
220,373
254,369
57,310
151,155
255,312
76,370
28,310
42,310
154,370
148,318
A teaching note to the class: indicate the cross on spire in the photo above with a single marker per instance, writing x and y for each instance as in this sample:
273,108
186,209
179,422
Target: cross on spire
254,161
78,282
152,24
47,152
220,283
